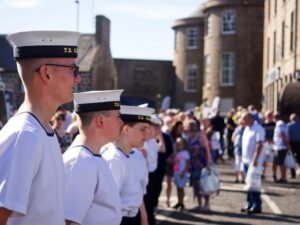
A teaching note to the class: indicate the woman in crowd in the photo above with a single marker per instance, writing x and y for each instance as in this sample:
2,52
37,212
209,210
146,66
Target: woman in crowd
200,158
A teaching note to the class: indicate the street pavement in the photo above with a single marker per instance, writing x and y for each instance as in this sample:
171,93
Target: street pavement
281,203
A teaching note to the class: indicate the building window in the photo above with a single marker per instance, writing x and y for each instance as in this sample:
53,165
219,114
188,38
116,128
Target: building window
292,32
228,22
282,39
227,69
191,78
208,25
192,38
206,69
275,7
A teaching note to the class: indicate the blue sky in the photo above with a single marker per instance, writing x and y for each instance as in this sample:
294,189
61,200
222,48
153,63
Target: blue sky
140,29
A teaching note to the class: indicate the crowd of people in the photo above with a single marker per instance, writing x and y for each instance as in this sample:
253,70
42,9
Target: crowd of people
105,163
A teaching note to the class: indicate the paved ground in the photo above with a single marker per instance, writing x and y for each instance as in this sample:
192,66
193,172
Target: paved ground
281,204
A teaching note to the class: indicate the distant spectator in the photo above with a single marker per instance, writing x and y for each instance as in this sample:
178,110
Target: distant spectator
254,113
281,146
230,126
294,135
218,124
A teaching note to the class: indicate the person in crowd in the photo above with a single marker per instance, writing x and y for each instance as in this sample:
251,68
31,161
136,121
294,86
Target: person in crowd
31,168
165,151
254,113
176,131
269,126
64,138
281,146
237,138
133,135
91,195
72,129
151,147
294,135
252,143
181,169
230,126
198,147
213,139
68,116
218,124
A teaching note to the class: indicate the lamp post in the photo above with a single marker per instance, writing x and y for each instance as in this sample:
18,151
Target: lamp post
77,16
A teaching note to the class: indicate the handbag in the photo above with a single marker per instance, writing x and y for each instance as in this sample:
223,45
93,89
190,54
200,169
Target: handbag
289,160
268,152
253,178
209,181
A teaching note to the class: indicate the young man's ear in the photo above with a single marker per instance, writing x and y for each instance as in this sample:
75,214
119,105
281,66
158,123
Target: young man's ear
44,73
99,120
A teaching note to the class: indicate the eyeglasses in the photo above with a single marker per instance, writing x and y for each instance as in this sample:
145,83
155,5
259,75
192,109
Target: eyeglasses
74,67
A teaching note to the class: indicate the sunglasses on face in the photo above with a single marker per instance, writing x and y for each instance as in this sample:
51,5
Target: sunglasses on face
74,67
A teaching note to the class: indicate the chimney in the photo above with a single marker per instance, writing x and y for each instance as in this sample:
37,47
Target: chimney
102,31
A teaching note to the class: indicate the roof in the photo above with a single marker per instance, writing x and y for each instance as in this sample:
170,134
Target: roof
86,52
198,12
7,62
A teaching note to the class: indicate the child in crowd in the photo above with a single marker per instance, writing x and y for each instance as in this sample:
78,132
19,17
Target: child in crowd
181,168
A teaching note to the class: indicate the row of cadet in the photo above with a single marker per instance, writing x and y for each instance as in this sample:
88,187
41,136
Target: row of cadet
138,159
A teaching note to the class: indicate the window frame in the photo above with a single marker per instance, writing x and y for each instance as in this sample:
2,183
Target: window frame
187,78
195,38
233,69
222,21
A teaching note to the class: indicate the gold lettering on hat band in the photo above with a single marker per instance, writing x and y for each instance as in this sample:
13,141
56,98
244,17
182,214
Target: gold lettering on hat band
70,50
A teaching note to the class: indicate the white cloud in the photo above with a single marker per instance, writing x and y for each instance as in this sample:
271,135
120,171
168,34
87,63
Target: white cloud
22,3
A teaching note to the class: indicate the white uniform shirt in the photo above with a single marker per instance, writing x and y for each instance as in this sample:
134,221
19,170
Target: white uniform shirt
127,183
91,193
152,148
31,173
139,164
251,136
280,127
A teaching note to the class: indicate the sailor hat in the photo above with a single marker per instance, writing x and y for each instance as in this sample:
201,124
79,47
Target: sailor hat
136,113
44,44
155,120
92,101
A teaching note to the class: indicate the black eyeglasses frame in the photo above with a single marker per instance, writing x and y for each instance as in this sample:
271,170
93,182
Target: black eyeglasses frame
75,67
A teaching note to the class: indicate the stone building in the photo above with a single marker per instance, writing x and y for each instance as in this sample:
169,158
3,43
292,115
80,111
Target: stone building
281,67
153,79
188,60
233,52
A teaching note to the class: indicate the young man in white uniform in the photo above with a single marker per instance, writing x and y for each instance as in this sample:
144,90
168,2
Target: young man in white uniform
252,142
91,195
133,133
31,168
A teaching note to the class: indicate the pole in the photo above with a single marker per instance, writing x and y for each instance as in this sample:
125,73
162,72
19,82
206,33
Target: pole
77,16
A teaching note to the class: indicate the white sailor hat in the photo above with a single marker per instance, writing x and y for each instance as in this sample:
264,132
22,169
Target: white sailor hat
155,120
136,113
92,101
44,44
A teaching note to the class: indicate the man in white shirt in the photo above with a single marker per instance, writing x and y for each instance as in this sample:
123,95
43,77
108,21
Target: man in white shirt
91,195
31,168
252,142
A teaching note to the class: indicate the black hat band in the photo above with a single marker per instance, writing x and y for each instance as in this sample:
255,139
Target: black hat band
99,106
47,51
135,118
